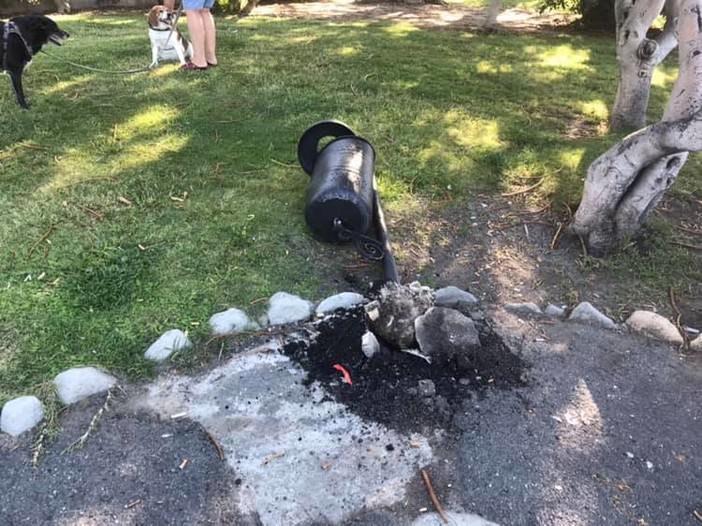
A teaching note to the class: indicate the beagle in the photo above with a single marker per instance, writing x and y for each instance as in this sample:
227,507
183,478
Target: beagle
166,41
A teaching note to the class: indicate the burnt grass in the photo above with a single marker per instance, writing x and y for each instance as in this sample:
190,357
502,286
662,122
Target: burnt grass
386,388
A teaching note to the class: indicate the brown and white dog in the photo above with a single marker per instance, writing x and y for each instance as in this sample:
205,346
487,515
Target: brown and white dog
166,41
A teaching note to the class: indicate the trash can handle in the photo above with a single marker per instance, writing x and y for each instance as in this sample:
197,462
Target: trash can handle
308,145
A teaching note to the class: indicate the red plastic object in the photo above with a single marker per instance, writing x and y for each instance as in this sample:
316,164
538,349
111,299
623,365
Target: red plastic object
342,370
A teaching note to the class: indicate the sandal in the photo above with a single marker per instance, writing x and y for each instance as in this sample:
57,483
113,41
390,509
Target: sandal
189,66
211,65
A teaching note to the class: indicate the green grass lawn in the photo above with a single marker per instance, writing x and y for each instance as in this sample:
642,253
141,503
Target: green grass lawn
133,204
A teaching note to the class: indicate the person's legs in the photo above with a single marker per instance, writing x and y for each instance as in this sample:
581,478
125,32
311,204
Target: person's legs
210,37
197,34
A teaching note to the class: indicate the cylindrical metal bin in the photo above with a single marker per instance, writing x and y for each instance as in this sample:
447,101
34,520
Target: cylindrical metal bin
342,201
340,193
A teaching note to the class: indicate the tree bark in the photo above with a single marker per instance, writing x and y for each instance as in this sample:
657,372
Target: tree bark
625,183
638,56
491,17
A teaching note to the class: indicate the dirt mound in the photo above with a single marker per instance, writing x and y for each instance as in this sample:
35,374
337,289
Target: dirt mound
395,388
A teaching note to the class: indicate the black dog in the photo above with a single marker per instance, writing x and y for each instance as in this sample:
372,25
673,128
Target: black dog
22,37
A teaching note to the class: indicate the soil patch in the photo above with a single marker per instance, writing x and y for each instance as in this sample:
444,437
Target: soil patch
450,16
391,388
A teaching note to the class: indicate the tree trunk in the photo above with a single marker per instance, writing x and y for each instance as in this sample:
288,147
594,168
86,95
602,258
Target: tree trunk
638,55
625,184
491,17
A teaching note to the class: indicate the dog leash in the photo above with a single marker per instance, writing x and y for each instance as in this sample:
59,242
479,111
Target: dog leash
112,72
90,68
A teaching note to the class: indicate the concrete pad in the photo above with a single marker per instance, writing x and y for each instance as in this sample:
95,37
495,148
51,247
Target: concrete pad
454,519
289,442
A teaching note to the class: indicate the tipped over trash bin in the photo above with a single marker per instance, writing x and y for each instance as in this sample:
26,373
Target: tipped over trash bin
342,201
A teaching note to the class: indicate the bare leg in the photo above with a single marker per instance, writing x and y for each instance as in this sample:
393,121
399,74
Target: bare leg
210,37
196,32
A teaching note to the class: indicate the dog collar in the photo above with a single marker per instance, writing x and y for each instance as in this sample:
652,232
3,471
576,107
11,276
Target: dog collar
159,29
11,28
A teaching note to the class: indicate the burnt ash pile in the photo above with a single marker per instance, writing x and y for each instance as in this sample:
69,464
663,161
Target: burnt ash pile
402,390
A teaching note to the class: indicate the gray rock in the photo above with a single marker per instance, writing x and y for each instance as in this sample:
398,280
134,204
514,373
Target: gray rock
79,383
391,316
527,308
585,312
169,342
447,334
696,344
232,320
369,344
554,311
344,300
477,315
287,308
20,415
454,298
654,325
426,388
263,320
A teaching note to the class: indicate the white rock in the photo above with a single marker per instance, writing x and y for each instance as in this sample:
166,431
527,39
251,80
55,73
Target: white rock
79,383
455,298
654,325
344,300
20,415
554,311
587,313
169,342
696,344
455,519
287,308
523,308
232,320
369,344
